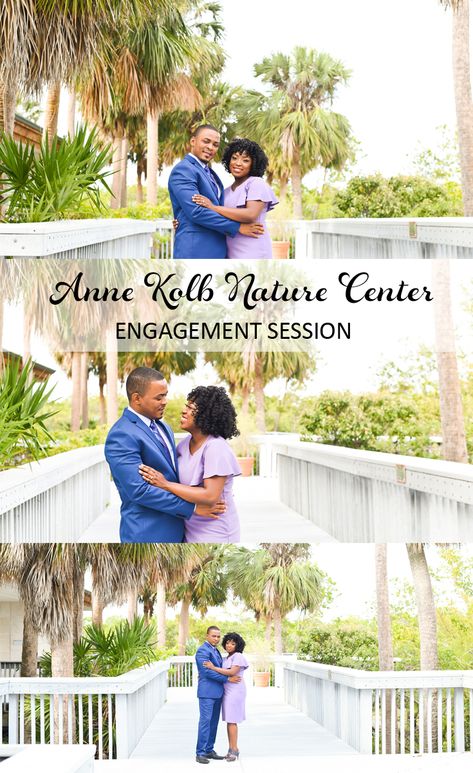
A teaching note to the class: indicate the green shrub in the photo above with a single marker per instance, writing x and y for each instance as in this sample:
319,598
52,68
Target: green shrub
56,182
24,412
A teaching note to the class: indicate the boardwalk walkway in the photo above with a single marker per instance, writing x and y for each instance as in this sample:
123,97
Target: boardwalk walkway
263,517
274,739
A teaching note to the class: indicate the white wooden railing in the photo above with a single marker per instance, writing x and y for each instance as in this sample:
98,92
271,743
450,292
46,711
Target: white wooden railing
425,237
106,238
366,496
111,712
55,499
430,710
183,669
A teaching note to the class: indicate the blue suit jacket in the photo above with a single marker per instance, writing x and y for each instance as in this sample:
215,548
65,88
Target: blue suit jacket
148,514
201,232
210,683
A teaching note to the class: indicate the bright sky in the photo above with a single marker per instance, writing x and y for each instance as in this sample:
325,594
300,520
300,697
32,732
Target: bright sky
399,54
352,567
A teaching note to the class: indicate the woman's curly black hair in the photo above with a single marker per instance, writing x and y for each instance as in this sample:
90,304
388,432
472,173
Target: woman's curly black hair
252,149
215,414
239,641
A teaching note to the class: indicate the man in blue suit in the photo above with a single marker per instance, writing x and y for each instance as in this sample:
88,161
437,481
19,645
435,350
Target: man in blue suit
210,694
202,233
148,514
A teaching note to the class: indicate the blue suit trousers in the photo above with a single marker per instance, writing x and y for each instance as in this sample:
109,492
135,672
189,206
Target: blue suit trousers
209,716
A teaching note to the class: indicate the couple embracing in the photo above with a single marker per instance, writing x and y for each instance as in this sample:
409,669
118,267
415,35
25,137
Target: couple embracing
221,687
170,494
213,222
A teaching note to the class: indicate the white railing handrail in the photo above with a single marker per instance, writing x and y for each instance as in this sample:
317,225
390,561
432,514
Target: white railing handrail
457,231
372,680
43,239
125,684
416,472
19,484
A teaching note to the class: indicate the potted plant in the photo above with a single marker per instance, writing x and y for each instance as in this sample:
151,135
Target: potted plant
244,452
261,664
280,229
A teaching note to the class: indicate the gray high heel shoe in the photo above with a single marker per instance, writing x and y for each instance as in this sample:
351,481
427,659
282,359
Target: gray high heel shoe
232,755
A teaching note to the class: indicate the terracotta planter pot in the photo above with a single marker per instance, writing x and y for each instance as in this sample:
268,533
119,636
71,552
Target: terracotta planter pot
261,678
281,250
246,465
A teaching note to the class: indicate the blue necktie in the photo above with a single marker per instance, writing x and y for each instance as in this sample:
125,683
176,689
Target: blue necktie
154,429
212,181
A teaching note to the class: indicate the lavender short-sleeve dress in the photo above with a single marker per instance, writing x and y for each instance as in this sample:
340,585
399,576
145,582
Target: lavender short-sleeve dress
214,457
243,247
234,693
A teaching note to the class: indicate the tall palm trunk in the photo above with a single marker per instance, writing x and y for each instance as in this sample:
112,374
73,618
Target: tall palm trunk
277,620
132,605
71,112
102,404
383,616
123,173
78,609
161,613
139,181
183,625
427,629
259,393
245,400
51,113
451,407
152,159
76,391
425,607
7,108
463,98
268,624
84,398
112,378
29,648
27,328
116,169
296,180
62,650
98,607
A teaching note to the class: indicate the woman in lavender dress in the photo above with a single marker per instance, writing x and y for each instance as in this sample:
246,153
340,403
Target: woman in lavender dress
207,465
247,200
234,693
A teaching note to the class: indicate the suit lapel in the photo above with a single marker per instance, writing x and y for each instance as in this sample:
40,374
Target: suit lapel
209,187
150,434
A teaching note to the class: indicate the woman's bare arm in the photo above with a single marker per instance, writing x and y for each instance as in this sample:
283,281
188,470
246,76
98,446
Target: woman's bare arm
247,214
208,494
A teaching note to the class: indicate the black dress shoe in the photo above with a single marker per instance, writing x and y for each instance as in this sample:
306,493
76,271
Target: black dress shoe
203,760
213,756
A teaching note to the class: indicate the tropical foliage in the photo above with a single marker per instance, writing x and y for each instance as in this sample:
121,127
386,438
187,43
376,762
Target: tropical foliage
54,183
24,412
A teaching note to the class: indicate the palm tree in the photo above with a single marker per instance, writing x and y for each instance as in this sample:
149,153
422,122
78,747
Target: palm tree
425,606
463,98
275,580
454,446
383,617
204,586
296,115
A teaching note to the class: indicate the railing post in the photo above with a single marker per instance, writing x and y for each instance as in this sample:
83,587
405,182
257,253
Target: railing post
121,715
303,241
195,674
278,673
13,719
365,721
459,718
